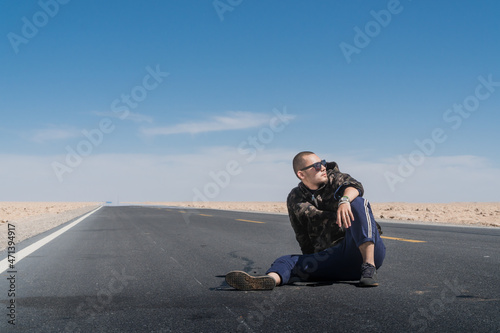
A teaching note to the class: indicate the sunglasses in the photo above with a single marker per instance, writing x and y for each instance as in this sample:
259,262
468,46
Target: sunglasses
317,166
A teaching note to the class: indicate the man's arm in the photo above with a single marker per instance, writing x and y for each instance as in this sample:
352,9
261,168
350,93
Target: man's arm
341,181
344,213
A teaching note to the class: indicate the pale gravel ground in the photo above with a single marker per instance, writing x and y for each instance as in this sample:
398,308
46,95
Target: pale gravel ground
33,218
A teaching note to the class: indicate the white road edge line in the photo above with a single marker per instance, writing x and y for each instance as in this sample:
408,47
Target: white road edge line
4,264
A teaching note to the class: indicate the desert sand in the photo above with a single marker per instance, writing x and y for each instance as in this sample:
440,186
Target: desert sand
33,218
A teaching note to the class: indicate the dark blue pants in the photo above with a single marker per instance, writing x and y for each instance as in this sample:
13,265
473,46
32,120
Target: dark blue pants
341,262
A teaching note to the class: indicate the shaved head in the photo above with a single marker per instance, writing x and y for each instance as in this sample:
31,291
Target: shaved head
299,160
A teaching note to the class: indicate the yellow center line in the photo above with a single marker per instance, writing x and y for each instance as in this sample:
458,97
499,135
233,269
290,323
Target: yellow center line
182,211
249,221
204,215
404,240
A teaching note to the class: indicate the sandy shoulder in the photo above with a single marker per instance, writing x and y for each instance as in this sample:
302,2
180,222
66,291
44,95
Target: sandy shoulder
33,218
466,213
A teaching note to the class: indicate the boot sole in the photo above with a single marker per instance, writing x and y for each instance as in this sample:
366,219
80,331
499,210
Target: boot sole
243,281
368,283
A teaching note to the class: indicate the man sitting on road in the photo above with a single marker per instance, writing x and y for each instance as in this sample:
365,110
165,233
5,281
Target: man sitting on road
334,227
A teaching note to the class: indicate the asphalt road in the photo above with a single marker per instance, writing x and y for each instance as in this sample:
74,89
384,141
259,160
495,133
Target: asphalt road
157,269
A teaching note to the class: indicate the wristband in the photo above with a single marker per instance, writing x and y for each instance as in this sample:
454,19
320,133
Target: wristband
344,199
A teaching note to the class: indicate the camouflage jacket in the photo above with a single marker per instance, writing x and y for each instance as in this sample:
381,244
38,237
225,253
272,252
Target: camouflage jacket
314,217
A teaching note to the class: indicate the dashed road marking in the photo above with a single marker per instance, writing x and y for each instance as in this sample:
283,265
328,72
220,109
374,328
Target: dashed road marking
249,221
404,239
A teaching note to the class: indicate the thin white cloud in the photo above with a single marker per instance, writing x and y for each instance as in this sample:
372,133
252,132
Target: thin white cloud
233,120
135,117
54,133
230,175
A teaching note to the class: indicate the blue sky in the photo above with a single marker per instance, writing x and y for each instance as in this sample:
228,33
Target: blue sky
210,100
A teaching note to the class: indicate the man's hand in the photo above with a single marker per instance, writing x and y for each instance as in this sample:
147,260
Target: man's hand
344,215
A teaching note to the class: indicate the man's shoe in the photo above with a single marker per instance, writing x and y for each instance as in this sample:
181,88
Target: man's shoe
243,281
368,276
